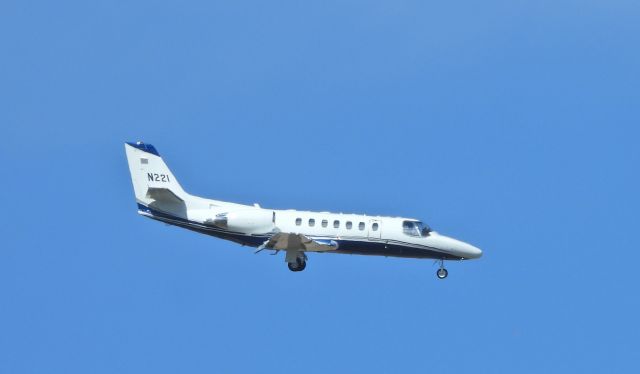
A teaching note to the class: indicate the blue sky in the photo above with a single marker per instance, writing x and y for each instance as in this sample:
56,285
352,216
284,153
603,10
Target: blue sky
510,125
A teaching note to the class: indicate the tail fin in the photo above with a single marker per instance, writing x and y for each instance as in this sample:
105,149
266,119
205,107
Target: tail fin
154,184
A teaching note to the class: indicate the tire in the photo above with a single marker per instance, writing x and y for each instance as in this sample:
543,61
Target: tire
299,265
442,273
302,264
292,266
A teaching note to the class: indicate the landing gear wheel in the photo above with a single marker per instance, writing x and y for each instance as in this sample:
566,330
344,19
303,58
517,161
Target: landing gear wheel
302,265
442,273
299,265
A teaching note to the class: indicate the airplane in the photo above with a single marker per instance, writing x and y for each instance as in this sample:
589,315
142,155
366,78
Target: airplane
160,197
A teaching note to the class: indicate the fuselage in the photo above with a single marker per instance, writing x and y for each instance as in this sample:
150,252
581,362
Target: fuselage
353,233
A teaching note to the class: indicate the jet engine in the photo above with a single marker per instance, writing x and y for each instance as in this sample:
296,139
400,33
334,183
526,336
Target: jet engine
250,221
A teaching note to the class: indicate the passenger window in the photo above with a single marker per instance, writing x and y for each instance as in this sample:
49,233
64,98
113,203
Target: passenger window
325,223
298,221
336,224
312,222
374,227
361,226
349,225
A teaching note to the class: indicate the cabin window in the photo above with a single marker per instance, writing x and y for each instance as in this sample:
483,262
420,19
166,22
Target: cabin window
312,222
349,225
144,161
361,226
325,223
374,227
298,221
336,224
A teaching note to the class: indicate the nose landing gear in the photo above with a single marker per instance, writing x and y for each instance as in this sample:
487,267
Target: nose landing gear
442,272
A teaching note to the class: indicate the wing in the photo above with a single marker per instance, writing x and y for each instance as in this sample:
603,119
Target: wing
298,242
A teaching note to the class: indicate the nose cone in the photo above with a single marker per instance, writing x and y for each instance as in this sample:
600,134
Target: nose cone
456,247
471,251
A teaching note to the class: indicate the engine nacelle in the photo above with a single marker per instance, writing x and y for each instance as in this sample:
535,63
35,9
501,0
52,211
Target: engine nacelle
250,221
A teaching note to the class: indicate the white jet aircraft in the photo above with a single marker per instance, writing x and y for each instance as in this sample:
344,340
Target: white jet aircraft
160,197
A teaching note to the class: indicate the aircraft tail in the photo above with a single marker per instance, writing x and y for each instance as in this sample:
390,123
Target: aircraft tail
153,182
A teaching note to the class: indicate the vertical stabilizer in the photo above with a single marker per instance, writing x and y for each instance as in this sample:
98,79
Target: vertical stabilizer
154,184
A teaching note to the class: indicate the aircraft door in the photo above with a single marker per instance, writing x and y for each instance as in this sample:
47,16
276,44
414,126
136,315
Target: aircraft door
375,229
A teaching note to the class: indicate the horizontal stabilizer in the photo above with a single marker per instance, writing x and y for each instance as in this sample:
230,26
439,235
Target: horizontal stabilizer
163,195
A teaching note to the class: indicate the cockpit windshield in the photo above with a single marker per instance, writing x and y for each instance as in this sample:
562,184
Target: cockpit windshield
416,228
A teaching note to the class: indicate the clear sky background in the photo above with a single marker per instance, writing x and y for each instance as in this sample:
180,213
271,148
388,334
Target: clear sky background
512,125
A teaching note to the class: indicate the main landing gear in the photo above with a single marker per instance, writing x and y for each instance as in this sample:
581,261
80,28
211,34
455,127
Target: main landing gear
442,272
299,265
